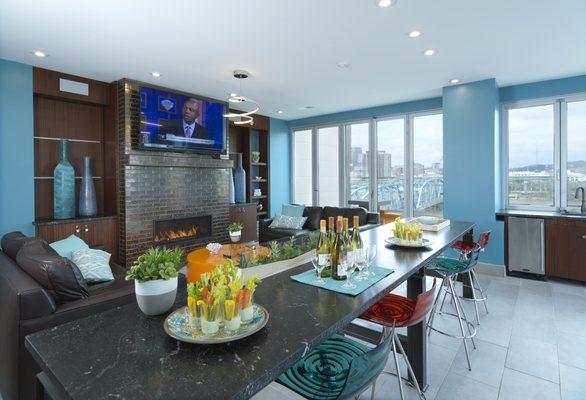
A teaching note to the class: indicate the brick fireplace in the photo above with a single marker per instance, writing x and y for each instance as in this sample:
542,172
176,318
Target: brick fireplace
174,231
164,186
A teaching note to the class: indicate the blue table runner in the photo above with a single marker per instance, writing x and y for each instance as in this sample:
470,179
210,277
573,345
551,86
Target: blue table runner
309,278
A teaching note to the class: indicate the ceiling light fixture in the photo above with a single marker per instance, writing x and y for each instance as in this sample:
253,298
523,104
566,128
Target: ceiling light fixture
385,3
454,81
39,53
414,34
241,118
280,112
156,74
430,52
343,64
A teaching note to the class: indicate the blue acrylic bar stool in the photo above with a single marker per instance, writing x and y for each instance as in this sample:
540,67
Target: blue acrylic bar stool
339,368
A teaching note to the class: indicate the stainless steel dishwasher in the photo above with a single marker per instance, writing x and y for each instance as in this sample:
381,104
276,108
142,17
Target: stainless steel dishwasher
526,245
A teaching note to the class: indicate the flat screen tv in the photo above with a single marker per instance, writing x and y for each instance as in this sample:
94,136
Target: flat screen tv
180,122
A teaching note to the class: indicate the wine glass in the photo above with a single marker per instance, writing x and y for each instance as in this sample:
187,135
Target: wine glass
319,268
347,267
360,257
370,256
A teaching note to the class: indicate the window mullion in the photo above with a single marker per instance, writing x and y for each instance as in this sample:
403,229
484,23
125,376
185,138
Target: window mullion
563,152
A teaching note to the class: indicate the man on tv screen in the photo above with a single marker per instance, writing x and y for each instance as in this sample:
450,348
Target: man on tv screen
187,127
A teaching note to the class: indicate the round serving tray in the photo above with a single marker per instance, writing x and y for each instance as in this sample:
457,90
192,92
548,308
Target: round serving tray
403,243
177,326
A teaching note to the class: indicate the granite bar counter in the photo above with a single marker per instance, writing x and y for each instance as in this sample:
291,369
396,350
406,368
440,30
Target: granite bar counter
121,353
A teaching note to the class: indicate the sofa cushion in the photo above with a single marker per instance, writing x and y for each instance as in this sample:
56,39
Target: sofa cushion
313,215
57,274
66,246
293,210
350,212
283,221
94,265
11,243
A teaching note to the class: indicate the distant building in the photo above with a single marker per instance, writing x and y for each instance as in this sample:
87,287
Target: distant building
418,169
385,168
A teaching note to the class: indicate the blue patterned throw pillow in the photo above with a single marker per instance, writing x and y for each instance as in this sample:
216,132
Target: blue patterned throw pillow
286,222
292,210
94,265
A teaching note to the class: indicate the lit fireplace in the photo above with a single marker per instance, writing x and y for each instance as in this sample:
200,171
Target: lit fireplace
181,229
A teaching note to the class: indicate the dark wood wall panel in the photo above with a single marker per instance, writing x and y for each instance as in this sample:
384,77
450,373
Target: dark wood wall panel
62,119
44,197
47,156
46,83
110,151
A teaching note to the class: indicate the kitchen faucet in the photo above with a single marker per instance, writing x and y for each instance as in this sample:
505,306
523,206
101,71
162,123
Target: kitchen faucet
583,206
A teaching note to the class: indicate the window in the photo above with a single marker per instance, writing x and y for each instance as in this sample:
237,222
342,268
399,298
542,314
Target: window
544,159
358,139
390,171
302,167
328,190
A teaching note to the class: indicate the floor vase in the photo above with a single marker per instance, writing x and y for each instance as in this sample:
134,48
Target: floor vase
87,191
240,182
64,185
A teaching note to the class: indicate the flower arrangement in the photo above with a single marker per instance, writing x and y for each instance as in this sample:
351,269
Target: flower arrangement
409,232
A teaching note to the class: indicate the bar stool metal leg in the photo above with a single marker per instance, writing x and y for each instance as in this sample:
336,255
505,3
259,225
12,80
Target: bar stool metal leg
434,308
474,298
481,290
454,298
397,364
409,368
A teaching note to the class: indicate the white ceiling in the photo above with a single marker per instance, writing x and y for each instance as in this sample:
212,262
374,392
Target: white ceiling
291,47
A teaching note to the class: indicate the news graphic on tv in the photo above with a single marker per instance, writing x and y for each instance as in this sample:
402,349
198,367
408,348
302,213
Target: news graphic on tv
177,122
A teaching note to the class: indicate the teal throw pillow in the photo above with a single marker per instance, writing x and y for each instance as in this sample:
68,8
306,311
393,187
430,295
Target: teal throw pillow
287,222
293,210
66,246
94,265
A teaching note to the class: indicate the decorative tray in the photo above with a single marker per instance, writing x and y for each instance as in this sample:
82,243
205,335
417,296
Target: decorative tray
406,243
179,326
442,223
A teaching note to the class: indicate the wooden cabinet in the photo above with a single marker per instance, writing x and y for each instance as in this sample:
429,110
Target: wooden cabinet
246,215
100,232
565,249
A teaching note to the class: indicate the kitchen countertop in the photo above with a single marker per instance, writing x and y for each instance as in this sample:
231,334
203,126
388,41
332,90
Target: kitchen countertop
502,214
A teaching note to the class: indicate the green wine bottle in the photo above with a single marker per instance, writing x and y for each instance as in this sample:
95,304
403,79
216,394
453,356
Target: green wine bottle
331,231
356,241
339,254
323,250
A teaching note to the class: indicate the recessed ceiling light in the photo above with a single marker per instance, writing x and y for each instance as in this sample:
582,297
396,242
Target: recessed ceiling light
430,52
156,74
39,53
414,34
454,81
306,107
233,94
343,64
280,112
385,3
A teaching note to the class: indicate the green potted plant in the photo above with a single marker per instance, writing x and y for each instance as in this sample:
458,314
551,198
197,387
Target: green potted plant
155,279
235,231
255,156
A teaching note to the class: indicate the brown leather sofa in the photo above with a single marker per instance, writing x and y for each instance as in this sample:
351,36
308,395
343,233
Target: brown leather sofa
26,307
368,220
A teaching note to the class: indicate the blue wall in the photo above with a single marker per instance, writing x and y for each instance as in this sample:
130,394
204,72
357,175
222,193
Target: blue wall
279,166
554,87
470,155
16,148
401,108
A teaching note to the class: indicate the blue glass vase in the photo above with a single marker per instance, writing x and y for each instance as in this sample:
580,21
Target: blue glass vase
240,182
64,186
87,192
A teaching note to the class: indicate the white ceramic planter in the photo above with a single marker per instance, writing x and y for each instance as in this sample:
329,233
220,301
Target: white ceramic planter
235,236
155,297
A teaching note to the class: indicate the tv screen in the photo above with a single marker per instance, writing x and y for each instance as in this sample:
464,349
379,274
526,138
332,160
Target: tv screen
171,121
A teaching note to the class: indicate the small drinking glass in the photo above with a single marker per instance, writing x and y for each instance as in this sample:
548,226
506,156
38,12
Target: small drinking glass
319,268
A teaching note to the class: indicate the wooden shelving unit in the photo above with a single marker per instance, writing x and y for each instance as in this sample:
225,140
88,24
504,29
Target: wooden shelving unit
245,140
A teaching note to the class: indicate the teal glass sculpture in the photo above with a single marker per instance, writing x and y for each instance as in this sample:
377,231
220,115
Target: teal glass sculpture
87,192
64,186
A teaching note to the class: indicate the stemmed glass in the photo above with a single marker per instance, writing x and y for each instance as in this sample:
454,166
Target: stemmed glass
370,256
360,257
319,268
348,267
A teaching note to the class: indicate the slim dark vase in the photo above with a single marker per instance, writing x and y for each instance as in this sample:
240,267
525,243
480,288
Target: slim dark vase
87,192
64,186
240,182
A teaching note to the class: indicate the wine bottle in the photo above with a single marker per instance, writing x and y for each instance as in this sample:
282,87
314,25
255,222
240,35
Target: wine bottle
348,240
338,254
323,250
356,241
331,231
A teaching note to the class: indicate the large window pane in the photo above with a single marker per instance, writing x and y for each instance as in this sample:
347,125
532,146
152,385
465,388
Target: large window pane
391,164
428,157
531,156
328,166
576,166
359,187
302,167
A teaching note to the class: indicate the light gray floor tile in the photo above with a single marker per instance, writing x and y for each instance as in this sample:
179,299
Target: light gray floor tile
276,391
567,287
458,387
572,350
542,328
573,383
533,357
519,386
488,362
495,329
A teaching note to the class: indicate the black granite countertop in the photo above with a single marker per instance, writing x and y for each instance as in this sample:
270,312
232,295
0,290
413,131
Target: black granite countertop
122,353
502,214
43,222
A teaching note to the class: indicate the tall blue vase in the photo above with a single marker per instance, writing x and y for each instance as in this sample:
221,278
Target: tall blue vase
87,191
240,182
231,186
64,186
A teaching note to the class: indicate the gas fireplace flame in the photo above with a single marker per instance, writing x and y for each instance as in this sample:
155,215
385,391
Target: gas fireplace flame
175,235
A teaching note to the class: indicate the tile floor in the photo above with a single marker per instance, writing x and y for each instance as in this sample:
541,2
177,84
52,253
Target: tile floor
532,345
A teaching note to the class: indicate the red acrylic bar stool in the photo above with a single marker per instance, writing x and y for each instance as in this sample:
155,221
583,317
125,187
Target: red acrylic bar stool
394,311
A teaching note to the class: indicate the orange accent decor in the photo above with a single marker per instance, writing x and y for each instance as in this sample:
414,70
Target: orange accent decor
201,260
